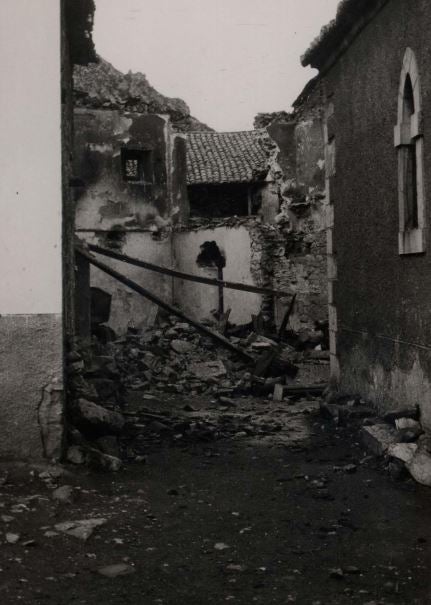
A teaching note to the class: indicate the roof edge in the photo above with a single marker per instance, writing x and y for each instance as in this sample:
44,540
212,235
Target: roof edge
334,39
224,132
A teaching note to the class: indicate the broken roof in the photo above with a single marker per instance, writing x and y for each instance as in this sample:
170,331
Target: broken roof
351,18
226,157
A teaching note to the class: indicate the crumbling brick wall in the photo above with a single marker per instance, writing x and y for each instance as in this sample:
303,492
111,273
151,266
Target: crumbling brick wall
293,262
288,233
290,253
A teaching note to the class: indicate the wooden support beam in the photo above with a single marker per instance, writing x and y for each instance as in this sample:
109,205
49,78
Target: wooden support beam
166,306
186,276
313,389
286,317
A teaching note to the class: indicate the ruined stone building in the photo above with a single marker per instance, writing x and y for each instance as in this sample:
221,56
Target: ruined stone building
374,65
141,176
226,173
253,195
255,198
130,191
35,308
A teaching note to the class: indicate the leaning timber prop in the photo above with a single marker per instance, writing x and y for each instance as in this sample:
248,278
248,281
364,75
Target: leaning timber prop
186,276
286,317
166,306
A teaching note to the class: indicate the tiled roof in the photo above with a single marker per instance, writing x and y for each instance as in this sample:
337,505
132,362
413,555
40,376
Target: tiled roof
226,157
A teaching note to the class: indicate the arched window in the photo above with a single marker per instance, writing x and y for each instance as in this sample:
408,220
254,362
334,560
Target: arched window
409,145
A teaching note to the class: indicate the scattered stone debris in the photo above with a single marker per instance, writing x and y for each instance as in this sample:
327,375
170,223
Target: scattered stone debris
378,438
12,538
398,436
80,529
64,494
171,359
118,569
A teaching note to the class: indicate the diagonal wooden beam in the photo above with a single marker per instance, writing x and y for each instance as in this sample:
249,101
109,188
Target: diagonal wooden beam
164,305
186,276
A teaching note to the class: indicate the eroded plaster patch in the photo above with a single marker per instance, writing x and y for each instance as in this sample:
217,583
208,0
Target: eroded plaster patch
387,385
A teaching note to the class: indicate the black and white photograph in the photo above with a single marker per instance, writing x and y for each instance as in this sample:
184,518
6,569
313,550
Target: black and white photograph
215,302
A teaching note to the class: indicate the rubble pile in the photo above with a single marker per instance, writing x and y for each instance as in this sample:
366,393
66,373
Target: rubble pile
167,362
173,358
398,436
94,418
152,424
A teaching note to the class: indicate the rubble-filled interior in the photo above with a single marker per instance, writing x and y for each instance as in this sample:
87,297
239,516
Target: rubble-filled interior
244,207
186,345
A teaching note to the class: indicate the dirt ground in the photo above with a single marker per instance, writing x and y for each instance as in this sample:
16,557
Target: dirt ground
293,511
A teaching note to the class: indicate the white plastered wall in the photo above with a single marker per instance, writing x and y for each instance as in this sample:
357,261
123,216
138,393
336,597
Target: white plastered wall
30,157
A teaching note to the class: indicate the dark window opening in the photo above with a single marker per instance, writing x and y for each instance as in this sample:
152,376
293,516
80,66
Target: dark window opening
220,201
211,256
115,239
409,100
409,162
410,187
136,165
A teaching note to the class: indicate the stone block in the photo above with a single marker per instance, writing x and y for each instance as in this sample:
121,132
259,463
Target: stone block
209,369
420,468
94,420
378,438
407,423
403,451
103,462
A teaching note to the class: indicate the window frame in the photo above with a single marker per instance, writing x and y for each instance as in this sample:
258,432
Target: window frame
408,137
144,162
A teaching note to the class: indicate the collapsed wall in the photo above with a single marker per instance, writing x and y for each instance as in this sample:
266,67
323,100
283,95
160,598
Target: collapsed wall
294,245
129,191
277,242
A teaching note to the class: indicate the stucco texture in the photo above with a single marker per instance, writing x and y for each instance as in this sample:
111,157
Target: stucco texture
103,199
198,300
129,309
31,366
378,292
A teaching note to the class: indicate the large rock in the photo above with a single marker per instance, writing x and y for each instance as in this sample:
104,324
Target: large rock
76,455
80,529
424,442
420,468
403,451
407,423
209,369
181,346
103,462
94,421
378,438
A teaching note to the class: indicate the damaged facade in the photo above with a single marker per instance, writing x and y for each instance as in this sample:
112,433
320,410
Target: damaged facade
256,197
135,179
377,182
270,184
129,193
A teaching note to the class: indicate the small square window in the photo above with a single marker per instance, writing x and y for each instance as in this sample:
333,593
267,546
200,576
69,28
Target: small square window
136,165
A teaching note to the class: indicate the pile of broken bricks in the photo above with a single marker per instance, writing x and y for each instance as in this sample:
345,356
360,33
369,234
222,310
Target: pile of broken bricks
173,358
94,418
398,436
170,359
